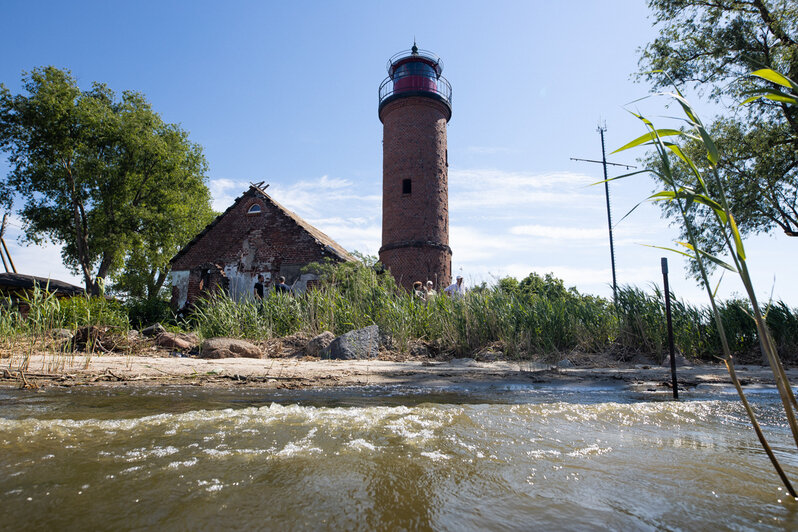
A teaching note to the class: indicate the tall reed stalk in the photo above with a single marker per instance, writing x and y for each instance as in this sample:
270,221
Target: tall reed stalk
694,192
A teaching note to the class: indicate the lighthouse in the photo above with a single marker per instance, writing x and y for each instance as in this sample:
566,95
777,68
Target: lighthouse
415,104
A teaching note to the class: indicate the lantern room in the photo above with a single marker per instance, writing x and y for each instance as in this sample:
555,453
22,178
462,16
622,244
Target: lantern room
415,72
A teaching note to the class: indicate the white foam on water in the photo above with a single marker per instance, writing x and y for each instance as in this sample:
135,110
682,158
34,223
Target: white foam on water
590,450
435,456
361,444
185,463
212,485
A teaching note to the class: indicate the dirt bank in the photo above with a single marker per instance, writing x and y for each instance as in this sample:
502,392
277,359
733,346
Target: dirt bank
43,370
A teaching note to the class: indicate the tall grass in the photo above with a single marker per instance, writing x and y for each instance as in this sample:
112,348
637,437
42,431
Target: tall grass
24,335
545,320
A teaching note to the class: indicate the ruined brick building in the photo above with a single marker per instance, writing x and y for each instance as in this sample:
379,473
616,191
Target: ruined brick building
255,235
415,107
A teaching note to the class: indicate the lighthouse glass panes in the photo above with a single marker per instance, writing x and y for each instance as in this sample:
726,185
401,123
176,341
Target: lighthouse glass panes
414,76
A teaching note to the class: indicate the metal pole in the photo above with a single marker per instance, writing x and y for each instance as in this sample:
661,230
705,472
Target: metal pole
670,327
601,130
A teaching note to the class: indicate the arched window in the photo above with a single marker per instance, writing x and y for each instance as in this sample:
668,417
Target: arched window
255,209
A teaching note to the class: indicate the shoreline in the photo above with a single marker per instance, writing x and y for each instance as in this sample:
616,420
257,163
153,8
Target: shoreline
47,370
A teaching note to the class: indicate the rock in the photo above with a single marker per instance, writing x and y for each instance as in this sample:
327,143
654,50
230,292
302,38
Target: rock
319,343
62,334
357,344
182,342
133,335
489,356
229,348
680,360
153,330
418,349
100,339
565,363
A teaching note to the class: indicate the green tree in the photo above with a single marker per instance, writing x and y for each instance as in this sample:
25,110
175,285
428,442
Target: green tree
103,176
713,46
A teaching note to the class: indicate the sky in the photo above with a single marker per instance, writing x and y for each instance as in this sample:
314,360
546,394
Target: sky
286,93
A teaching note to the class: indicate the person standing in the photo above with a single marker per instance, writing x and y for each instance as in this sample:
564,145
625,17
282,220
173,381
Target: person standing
259,288
417,291
429,291
281,287
456,290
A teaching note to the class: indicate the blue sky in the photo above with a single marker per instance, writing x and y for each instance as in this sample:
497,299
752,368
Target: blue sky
286,92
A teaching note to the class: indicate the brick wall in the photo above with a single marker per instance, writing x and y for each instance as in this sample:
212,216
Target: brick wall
414,148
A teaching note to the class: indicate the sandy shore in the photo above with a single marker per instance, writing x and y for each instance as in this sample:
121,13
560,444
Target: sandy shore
79,370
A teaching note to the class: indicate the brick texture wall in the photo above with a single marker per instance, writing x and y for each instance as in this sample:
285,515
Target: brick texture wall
415,226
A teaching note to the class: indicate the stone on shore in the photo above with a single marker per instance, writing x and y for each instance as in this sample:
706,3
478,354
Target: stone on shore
229,348
358,344
179,341
319,343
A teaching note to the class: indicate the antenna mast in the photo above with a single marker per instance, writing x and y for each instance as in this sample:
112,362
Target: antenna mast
601,129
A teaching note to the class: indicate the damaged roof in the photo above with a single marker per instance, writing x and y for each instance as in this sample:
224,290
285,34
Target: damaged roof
27,282
325,242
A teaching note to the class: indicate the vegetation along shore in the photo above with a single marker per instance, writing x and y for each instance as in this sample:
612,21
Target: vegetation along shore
533,329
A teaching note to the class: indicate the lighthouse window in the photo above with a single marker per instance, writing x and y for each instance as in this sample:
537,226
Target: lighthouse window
407,186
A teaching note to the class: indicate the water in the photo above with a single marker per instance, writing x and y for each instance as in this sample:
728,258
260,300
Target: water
497,458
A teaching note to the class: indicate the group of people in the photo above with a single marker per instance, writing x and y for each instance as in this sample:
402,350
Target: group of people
279,286
425,292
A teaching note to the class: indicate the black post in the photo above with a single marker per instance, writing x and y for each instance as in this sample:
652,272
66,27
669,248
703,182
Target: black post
670,327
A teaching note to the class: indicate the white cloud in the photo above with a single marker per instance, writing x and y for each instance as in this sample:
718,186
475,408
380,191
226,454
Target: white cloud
225,191
496,189
324,196
487,150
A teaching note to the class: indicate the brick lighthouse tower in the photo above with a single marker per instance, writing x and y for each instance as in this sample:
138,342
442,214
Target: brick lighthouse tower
415,106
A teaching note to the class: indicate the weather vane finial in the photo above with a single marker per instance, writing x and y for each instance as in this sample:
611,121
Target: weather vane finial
414,49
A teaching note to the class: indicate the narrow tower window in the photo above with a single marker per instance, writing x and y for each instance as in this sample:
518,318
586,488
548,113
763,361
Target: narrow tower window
407,186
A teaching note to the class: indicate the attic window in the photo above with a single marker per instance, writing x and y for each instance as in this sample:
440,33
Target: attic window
255,209
407,186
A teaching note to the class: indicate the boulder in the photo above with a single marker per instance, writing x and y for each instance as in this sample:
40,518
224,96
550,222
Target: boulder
229,348
179,341
357,344
319,343
153,330
565,363
62,334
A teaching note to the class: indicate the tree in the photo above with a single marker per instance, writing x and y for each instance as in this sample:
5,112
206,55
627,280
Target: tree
713,45
105,177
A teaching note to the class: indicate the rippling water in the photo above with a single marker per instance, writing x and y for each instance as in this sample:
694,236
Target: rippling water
381,459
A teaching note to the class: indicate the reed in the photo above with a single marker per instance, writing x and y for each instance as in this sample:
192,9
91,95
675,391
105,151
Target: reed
694,192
